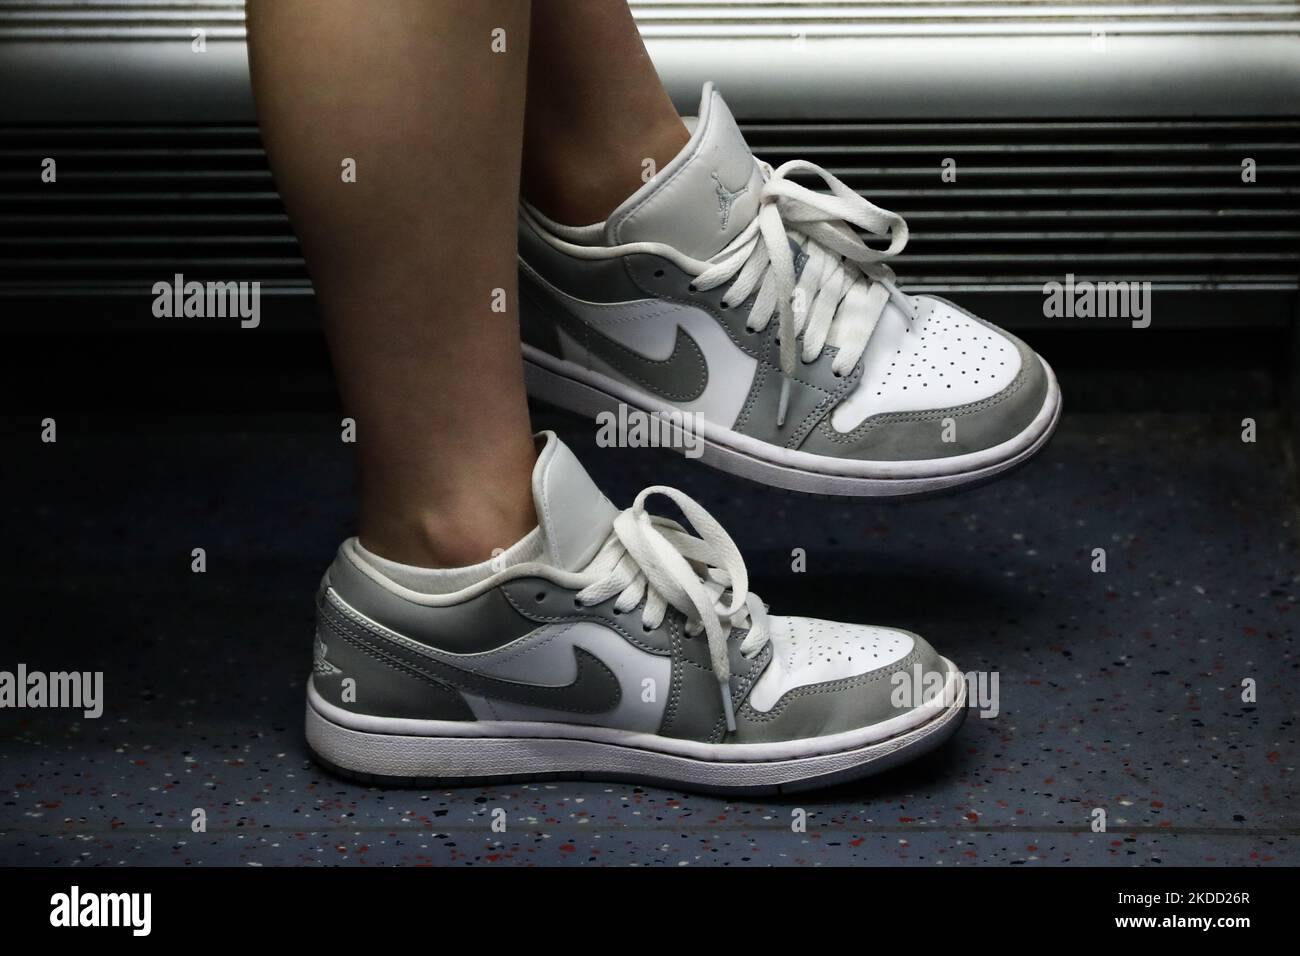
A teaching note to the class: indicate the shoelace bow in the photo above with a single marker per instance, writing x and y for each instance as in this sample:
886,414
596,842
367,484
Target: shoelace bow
844,285
656,559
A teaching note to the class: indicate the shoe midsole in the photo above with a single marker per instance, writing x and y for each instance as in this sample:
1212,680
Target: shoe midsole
952,696
806,461
472,758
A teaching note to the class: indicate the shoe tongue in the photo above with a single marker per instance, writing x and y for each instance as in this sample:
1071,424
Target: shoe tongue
703,198
574,517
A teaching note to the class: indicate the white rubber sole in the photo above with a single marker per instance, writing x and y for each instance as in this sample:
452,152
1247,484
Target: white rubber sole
527,752
576,389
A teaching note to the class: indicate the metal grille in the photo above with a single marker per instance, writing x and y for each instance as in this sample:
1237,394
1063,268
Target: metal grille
775,18
1158,201
120,19
133,205
1151,201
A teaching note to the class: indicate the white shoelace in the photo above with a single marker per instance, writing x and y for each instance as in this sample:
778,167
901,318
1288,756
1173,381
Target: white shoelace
657,559
842,290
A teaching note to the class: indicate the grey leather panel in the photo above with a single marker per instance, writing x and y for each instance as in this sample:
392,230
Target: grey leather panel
696,650
695,707
595,689
479,624
595,280
694,710
834,707
385,685
910,436
657,278
544,602
536,325
814,391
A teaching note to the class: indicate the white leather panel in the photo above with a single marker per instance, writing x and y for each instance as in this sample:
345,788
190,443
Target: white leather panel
807,651
939,359
572,514
704,197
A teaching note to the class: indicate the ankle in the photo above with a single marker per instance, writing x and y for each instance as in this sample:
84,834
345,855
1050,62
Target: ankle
578,187
448,537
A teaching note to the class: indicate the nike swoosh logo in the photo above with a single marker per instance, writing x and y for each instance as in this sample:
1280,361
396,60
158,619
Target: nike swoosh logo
594,690
681,377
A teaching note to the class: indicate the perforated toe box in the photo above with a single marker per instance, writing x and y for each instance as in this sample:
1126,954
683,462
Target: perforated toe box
943,383
826,678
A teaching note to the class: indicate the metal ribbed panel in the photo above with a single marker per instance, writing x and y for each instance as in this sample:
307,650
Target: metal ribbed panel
165,19
1158,201
1151,201
133,205
768,18
120,19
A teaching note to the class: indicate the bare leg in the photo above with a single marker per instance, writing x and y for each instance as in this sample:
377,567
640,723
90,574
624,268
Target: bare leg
406,259
596,110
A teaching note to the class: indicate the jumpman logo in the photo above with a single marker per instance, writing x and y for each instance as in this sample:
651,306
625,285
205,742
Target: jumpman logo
726,197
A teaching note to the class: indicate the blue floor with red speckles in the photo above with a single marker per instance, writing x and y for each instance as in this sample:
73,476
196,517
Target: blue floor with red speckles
1119,691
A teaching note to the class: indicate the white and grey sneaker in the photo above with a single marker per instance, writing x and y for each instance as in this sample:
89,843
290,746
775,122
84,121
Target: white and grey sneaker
724,288
610,645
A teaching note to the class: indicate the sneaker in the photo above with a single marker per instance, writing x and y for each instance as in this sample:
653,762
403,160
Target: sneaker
723,289
608,645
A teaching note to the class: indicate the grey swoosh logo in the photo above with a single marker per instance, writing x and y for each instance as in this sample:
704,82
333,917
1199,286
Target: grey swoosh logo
681,377
594,690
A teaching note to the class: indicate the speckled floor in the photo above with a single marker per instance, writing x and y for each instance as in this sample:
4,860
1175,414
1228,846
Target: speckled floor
1119,691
